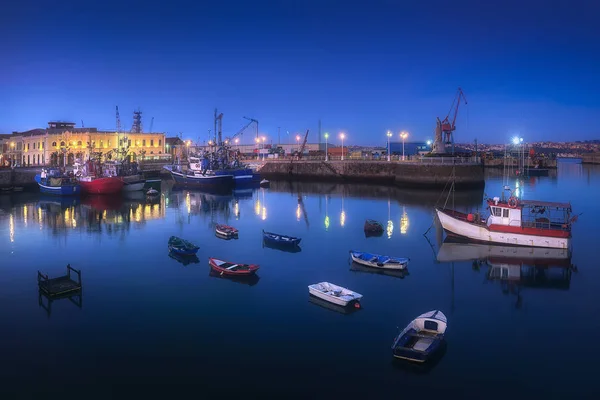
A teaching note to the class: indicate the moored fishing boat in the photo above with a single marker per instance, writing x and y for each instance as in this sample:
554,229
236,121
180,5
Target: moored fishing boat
335,294
233,269
93,181
514,221
422,338
193,174
52,181
379,261
182,247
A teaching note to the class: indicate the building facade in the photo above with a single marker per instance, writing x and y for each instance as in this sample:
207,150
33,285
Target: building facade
62,143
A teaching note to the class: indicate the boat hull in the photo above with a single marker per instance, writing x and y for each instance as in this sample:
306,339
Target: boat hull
338,300
134,186
108,185
63,190
183,252
202,180
241,177
394,266
482,233
251,269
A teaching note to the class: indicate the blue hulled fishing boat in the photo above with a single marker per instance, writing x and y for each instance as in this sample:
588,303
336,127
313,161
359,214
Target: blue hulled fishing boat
53,181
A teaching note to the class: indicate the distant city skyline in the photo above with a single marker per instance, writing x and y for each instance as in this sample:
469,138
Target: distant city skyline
526,69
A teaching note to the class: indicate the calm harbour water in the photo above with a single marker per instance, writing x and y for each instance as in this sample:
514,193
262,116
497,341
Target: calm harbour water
146,320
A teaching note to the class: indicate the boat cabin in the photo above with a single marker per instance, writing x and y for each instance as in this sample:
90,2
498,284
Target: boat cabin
543,215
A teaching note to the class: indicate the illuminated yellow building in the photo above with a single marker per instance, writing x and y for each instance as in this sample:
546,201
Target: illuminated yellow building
62,140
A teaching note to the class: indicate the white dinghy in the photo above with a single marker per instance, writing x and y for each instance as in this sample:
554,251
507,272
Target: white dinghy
335,294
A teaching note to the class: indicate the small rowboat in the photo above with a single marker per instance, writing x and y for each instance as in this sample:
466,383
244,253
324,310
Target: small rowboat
233,269
265,183
335,294
422,338
226,230
278,239
378,261
152,192
182,247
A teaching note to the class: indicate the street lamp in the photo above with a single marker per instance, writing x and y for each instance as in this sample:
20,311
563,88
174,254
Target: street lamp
326,154
257,140
342,136
263,141
389,135
403,135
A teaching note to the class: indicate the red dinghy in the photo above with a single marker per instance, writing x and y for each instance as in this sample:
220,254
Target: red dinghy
229,268
226,230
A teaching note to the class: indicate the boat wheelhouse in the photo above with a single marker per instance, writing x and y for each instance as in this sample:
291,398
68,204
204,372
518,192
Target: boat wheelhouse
516,222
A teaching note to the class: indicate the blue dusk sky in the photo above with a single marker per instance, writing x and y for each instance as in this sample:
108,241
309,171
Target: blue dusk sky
362,67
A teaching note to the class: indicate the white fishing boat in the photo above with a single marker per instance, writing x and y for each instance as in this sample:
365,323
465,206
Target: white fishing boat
514,222
379,261
335,294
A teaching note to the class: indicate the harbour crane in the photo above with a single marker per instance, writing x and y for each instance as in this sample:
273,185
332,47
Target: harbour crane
241,131
253,120
447,128
300,152
151,125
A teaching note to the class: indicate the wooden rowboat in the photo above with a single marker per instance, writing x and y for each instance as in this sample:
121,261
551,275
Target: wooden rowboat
233,269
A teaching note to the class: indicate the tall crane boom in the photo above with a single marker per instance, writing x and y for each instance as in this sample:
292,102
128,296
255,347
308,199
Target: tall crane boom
218,128
118,120
253,120
299,151
447,126
151,125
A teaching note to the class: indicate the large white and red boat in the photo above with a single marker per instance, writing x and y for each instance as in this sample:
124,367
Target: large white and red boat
93,181
514,221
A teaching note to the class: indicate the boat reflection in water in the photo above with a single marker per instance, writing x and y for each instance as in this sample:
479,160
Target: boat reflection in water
185,260
514,267
249,280
396,273
333,307
94,213
286,248
421,368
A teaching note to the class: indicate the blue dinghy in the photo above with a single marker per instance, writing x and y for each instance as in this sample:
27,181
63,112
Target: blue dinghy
281,240
182,247
422,338
379,261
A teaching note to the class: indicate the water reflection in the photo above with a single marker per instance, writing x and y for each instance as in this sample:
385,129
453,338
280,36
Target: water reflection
250,280
184,260
396,273
409,197
515,268
86,214
45,301
332,307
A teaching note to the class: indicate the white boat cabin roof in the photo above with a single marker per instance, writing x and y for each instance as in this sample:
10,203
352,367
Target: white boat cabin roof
550,204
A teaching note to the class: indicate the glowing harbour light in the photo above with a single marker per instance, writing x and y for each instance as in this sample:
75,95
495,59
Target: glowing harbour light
390,229
326,222
298,212
404,222
264,213
342,218
11,228
257,207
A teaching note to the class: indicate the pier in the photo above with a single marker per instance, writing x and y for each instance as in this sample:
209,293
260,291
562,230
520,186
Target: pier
591,158
427,173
